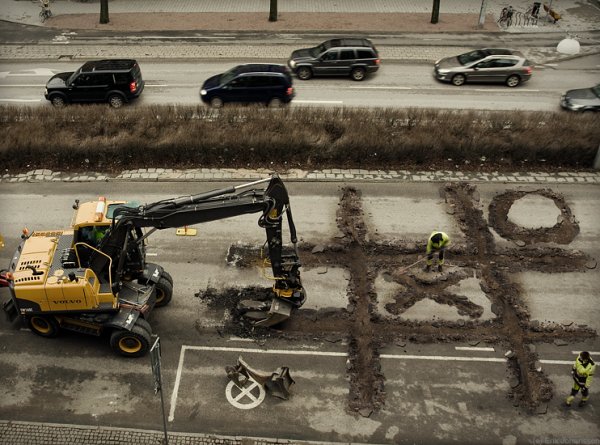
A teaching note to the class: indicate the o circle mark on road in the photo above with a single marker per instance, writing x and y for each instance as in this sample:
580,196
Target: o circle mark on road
248,397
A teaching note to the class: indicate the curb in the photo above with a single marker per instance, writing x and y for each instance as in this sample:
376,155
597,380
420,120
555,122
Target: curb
325,175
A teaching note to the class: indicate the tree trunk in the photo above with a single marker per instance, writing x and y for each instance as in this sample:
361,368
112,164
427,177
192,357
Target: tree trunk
273,11
104,11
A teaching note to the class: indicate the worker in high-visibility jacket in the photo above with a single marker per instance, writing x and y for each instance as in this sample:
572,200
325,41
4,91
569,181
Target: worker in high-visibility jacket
582,372
437,242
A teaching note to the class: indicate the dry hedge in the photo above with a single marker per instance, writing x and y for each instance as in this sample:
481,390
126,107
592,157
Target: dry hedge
99,138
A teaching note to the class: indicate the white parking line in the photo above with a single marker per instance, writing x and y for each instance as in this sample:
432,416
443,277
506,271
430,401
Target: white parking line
471,348
334,354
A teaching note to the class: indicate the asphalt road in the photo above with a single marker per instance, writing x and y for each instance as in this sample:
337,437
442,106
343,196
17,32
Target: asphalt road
395,85
435,393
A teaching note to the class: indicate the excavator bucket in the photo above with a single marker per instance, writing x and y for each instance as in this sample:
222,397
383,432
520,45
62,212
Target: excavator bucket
280,382
276,383
279,311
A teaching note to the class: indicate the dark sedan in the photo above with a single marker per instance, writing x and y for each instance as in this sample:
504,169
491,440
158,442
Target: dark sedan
488,65
584,99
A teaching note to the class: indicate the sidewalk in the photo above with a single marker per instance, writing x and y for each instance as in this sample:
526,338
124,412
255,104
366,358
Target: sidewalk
381,16
129,33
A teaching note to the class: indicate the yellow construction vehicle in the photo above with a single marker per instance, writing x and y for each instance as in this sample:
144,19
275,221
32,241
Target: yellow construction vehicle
94,276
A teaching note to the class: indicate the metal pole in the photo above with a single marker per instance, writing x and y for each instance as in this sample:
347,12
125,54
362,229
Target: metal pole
597,160
162,404
155,360
482,13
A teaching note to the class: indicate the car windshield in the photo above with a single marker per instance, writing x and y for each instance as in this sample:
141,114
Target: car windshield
73,76
227,76
596,90
473,56
318,50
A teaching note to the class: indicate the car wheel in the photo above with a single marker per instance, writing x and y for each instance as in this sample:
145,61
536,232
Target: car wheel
358,74
458,80
216,102
275,103
304,73
115,101
513,81
58,101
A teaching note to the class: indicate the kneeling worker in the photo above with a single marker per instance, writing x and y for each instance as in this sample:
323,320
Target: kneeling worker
438,241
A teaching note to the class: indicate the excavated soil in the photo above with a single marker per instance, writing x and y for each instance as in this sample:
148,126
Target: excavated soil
366,256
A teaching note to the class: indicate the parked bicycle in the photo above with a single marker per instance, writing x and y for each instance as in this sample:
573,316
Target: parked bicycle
45,13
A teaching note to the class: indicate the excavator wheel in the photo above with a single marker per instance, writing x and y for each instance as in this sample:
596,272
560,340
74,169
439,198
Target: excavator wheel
43,326
164,291
144,325
134,343
167,276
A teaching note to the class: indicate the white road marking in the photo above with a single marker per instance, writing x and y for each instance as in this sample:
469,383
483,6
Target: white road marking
318,101
549,64
245,392
36,72
591,352
41,85
472,348
177,381
444,358
382,88
20,100
329,354
151,254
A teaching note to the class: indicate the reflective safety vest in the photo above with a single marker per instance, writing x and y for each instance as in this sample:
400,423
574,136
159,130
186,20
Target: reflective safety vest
584,372
431,246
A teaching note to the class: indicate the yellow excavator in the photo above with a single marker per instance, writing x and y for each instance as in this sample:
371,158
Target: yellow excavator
94,276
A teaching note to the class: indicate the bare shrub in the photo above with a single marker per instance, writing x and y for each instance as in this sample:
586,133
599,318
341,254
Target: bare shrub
97,137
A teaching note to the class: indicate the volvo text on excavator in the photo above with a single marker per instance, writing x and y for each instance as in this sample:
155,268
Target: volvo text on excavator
94,276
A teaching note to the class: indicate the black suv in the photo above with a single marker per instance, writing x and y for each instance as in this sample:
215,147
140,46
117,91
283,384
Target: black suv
251,83
336,57
114,81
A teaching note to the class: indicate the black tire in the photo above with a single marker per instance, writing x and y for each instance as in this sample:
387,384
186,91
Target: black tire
216,102
134,343
164,292
116,100
304,73
58,101
276,102
43,326
167,276
144,325
513,81
358,74
458,80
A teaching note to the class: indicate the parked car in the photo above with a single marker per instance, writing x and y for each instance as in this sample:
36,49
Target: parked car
251,83
584,99
493,65
114,81
337,57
